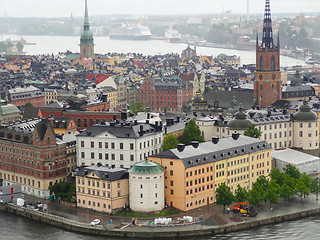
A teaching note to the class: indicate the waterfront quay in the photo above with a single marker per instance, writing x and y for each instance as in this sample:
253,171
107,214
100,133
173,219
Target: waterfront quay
215,220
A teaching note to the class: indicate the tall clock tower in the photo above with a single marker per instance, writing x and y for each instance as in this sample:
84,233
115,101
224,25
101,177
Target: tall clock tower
267,83
86,40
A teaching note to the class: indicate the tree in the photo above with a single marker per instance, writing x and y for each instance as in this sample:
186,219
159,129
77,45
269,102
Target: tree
315,187
241,194
252,131
256,194
138,107
288,187
169,142
272,192
28,104
276,175
263,182
292,171
301,188
66,191
191,133
224,195
19,46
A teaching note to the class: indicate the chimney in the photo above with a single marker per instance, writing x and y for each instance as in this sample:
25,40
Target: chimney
124,116
104,98
111,124
147,121
114,117
215,140
141,130
99,164
136,122
168,121
178,119
148,115
269,113
251,114
284,111
181,147
195,144
235,136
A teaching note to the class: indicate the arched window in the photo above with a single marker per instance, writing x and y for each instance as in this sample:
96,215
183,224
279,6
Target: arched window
273,64
261,63
85,122
79,122
97,120
261,87
91,122
272,87
84,51
48,140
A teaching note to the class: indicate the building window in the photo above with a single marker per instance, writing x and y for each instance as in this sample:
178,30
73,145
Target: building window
300,133
113,157
121,145
92,155
171,183
121,156
171,163
171,172
92,144
132,158
82,143
131,146
100,144
171,192
106,145
106,156
141,195
112,145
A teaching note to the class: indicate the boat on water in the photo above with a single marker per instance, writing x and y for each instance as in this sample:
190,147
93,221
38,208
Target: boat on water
309,59
173,35
130,32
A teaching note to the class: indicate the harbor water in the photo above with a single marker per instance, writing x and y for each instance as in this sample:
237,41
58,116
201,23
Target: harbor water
103,45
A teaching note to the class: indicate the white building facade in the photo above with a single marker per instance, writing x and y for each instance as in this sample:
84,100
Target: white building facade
118,144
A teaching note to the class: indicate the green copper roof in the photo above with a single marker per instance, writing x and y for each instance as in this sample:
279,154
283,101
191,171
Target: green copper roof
305,114
7,109
86,36
146,167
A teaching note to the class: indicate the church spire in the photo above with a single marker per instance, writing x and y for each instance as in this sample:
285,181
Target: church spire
267,39
86,17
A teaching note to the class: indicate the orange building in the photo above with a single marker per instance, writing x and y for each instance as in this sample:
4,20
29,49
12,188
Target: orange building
194,172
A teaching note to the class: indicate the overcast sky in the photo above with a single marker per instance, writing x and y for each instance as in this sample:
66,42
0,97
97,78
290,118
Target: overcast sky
63,8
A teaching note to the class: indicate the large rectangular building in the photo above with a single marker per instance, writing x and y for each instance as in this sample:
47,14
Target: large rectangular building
118,144
194,172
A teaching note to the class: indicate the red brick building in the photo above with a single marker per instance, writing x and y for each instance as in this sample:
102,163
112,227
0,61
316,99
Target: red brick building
27,94
268,83
168,96
32,157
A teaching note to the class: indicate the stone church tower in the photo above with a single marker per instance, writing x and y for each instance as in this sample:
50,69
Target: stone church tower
268,83
86,40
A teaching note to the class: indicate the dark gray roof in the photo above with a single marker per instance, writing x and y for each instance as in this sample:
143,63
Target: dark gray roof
104,173
297,88
225,97
120,131
209,152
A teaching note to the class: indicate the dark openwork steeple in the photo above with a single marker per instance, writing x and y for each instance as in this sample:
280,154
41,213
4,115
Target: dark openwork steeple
86,40
267,38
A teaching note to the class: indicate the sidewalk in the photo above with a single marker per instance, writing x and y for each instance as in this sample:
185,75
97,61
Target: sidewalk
213,215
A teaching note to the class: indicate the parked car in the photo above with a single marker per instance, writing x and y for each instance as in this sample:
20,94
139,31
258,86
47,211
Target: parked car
95,222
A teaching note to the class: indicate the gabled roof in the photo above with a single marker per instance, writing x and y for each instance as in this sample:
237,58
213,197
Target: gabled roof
104,173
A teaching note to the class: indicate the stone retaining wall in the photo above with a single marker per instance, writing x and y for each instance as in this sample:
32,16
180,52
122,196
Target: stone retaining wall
144,232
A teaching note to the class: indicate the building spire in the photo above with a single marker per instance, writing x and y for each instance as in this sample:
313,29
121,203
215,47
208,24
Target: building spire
278,43
86,17
257,42
267,39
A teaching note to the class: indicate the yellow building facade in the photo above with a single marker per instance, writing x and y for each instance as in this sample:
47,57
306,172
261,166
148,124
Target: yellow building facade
194,172
102,189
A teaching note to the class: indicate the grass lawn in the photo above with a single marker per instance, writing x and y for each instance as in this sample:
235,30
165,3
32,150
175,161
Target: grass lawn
166,212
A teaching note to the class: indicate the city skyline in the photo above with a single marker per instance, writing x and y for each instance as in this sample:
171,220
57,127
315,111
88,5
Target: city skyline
38,8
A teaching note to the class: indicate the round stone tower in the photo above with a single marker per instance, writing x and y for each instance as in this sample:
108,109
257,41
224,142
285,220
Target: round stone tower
146,187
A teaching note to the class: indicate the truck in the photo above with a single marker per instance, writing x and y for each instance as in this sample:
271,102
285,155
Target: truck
248,211
239,206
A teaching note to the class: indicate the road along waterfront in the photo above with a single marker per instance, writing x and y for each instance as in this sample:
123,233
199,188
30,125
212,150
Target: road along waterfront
286,211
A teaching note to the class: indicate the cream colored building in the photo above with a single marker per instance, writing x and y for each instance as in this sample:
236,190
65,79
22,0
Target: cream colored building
51,95
146,184
281,129
102,189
